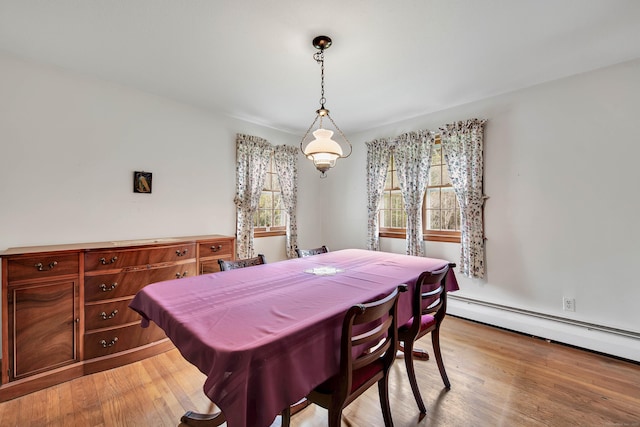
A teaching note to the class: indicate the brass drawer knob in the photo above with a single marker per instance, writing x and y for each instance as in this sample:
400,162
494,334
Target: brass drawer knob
104,261
104,288
106,344
40,267
215,248
181,252
105,316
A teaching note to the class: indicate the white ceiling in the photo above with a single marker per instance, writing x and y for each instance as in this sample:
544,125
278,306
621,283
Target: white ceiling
390,59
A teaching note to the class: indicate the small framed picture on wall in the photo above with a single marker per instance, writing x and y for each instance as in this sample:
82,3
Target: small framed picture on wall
142,182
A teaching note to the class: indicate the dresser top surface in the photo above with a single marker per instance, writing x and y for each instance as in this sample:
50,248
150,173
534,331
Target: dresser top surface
111,244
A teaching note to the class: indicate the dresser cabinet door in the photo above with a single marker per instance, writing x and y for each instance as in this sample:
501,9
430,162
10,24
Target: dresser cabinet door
43,326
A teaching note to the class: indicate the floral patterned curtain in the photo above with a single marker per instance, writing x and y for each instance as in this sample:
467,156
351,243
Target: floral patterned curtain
286,162
378,155
412,156
462,145
253,155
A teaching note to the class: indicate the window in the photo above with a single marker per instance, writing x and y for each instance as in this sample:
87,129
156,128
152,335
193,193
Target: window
393,218
270,218
441,218
441,212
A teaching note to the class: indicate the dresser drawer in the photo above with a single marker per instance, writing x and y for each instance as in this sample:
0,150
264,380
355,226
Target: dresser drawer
216,248
108,314
122,258
37,266
211,265
104,342
128,283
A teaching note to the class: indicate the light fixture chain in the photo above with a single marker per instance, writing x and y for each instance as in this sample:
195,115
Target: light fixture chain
319,57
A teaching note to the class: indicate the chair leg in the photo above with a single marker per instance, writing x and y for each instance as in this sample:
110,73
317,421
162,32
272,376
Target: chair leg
383,391
435,339
408,361
285,417
335,416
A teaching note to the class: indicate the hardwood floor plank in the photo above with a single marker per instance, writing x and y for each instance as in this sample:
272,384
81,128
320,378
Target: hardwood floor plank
498,378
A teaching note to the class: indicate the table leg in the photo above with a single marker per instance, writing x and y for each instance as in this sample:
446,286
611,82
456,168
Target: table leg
418,353
194,419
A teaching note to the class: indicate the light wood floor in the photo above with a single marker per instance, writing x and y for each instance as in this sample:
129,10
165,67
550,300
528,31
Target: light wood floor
498,378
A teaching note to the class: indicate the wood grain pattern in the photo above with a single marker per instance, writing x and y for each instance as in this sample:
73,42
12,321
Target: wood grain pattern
498,378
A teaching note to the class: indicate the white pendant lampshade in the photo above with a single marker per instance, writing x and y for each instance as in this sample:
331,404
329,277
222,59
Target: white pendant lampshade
323,150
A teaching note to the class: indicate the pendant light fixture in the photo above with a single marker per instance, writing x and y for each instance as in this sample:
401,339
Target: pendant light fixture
323,150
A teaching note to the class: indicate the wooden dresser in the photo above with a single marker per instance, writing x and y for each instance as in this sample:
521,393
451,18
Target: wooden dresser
65,308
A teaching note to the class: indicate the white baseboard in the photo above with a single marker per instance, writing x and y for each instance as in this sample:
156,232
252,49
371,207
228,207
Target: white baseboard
610,341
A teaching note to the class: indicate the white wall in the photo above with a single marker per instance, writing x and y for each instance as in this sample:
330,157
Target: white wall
69,145
561,171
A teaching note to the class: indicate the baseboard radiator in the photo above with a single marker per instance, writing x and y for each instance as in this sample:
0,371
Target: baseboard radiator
604,339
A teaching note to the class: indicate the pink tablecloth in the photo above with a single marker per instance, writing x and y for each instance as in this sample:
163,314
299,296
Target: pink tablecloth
266,335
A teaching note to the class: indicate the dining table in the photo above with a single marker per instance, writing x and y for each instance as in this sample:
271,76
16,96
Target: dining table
265,336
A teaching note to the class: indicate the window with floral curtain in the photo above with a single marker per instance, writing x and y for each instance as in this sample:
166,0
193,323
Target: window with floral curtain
286,161
253,155
378,154
412,157
462,145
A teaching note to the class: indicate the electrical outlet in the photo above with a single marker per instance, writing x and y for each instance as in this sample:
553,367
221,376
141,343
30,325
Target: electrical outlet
568,304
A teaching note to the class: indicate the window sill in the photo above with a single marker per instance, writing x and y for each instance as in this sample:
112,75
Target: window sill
270,233
442,236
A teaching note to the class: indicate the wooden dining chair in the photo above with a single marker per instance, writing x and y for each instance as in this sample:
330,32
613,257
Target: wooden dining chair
367,350
241,263
429,307
308,252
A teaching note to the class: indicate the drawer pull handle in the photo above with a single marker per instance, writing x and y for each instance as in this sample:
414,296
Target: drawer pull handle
105,288
103,261
182,252
106,344
40,267
180,276
216,248
104,315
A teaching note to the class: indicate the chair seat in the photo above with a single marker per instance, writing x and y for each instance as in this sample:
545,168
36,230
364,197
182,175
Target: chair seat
426,321
360,376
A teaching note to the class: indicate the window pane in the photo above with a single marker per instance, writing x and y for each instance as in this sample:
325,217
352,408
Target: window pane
264,218
265,200
448,219
436,154
394,177
278,218
396,201
385,219
433,220
399,220
448,198
433,198
434,175
386,201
